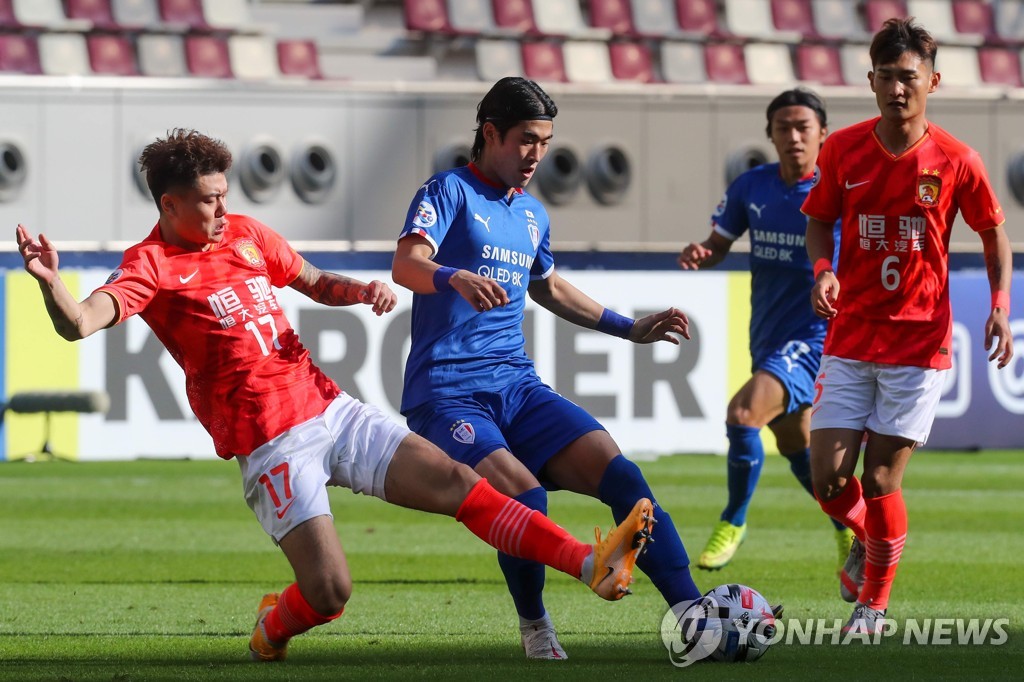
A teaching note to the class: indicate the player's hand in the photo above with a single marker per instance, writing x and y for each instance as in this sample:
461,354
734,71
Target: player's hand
997,329
379,295
40,255
824,294
483,293
661,327
693,256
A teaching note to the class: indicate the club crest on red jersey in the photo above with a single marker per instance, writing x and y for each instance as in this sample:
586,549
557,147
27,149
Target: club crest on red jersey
247,249
929,187
463,432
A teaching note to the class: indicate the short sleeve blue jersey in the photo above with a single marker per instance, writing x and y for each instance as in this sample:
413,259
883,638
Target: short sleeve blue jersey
472,225
781,274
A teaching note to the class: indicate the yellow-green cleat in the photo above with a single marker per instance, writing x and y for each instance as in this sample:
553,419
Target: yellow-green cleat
722,545
844,541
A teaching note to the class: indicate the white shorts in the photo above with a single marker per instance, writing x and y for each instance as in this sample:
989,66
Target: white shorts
893,400
349,445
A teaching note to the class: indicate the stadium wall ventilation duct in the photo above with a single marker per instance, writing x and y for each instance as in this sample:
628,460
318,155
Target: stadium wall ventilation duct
452,156
13,170
314,172
609,174
1015,176
261,170
560,175
742,160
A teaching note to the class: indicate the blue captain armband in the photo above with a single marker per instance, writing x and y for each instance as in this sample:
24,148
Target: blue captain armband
614,324
441,277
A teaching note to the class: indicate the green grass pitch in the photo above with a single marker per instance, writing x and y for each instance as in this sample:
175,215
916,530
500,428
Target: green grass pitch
152,571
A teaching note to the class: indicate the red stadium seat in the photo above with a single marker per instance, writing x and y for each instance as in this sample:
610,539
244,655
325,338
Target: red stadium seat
19,54
631,62
819,64
973,17
614,15
698,16
96,12
7,18
111,55
1000,66
207,56
794,15
186,13
877,12
515,15
543,61
428,16
725,63
298,58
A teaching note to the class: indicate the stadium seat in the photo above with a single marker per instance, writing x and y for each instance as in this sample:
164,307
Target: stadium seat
877,12
515,16
1008,18
683,62
794,16
232,15
937,16
699,17
63,54
253,57
856,63
768,63
816,63
7,18
999,65
183,14
207,56
631,61
614,15
135,13
111,54
427,16
471,16
655,18
544,61
959,67
161,55
39,13
496,59
587,61
298,58
564,18
19,53
96,12
724,63
837,19
973,18
753,19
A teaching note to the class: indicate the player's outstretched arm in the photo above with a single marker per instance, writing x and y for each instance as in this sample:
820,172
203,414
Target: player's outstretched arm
707,254
999,264
413,268
820,247
337,290
71,319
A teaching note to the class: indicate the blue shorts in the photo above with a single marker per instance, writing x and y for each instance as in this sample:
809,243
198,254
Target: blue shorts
528,419
795,365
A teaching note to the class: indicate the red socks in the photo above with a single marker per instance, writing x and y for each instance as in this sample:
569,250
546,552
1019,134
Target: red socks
292,616
886,526
849,508
515,529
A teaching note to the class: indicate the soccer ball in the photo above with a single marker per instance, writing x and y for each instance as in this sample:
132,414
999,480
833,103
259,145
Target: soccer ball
730,624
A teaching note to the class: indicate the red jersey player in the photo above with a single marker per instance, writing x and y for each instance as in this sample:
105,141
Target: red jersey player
896,182
202,280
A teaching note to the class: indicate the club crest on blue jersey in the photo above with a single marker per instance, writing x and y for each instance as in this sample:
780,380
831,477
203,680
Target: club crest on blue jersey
425,215
114,276
463,432
532,228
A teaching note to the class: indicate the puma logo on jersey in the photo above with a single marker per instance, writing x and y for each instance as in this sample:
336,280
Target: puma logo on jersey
186,280
757,209
476,216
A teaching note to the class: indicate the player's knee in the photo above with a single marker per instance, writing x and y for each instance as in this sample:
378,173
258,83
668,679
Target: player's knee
331,594
738,415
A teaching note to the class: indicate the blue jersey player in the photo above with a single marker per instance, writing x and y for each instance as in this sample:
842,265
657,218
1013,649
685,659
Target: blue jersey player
473,246
786,336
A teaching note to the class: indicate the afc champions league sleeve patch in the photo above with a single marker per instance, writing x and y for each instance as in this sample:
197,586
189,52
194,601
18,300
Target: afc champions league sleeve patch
426,216
114,276
249,252
817,176
463,432
720,209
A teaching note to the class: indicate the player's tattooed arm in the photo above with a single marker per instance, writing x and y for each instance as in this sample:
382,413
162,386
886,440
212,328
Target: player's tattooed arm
327,287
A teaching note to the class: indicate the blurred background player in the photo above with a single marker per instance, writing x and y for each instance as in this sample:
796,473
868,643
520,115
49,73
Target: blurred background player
469,385
202,281
785,335
897,182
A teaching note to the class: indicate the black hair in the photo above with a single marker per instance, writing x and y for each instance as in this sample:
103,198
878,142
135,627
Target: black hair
902,35
797,97
509,102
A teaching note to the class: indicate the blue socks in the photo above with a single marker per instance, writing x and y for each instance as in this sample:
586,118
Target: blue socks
746,459
525,579
800,465
665,562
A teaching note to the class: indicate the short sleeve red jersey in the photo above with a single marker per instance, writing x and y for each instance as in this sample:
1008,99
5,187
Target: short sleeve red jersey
897,213
247,376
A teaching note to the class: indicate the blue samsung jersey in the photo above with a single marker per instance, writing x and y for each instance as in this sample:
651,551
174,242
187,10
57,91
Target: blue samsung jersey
471,225
781,274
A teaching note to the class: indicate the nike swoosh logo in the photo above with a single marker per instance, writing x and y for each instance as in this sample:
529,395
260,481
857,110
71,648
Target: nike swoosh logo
608,575
856,184
283,511
186,280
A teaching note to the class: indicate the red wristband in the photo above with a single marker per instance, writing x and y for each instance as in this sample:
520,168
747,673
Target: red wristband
821,265
1001,299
